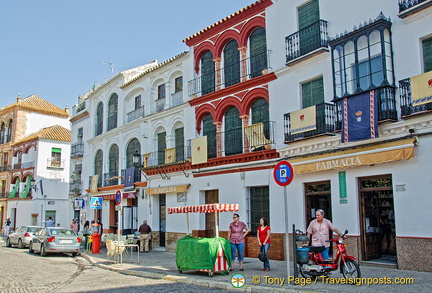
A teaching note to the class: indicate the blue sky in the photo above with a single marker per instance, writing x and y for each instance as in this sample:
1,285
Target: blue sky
55,48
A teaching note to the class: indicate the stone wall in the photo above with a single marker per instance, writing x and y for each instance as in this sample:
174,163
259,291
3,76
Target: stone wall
412,254
171,240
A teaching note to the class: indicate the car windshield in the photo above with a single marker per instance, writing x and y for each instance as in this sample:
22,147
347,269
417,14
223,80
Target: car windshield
33,229
62,232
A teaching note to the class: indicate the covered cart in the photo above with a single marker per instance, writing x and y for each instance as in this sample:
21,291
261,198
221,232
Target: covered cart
203,254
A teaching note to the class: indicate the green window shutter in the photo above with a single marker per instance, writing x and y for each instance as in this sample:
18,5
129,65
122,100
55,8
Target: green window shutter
233,132
161,147
56,150
231,63
308,14
427,54
179,144
258,52
207,73
209,130
313,92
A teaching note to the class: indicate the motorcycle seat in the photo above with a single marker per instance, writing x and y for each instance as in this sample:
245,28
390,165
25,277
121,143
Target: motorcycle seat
316,248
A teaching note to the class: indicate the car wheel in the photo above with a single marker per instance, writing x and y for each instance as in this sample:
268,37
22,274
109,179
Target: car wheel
42,250
31,248
8,244
20,244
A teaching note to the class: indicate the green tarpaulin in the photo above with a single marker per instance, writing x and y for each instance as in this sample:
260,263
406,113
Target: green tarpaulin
200,253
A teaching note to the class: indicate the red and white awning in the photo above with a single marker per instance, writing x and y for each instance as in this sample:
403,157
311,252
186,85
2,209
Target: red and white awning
206,208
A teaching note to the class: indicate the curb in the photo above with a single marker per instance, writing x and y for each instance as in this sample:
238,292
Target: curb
190,281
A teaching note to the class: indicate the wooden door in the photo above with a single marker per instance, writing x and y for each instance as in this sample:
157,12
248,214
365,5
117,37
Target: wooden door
211,196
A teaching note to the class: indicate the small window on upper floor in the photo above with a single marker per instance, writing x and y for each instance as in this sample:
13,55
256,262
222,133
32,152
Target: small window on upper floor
161,91
313,92
80,134
179,84
55,157
427,54
137,102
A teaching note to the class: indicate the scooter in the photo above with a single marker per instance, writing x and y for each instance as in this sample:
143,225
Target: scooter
311,264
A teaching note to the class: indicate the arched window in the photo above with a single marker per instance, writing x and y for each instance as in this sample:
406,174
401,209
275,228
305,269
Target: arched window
9,131
258,52
133,146
98,166
99,119
112,112
260,114
209,130
231,63
113,165
233,132
207,73
2,133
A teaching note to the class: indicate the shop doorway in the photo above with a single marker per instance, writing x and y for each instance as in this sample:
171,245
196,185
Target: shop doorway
318,196
162,219
211,196
378,237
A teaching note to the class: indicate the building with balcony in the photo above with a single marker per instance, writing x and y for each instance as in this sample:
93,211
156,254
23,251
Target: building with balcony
35,149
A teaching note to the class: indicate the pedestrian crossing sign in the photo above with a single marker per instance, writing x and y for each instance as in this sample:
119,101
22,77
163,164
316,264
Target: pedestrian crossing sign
96,203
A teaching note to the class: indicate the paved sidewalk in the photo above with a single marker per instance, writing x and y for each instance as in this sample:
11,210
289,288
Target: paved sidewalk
161,264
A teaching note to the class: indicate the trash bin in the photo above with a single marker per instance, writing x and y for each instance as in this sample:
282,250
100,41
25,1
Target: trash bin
96,243
302,255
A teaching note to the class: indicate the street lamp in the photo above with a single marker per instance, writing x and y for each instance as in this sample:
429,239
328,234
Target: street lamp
136,159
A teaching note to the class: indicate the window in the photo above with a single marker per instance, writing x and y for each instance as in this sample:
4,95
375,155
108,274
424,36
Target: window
48,214
80,135
362,59
98,166
133,146
209,130
259,203
233,132
137,102
427,54
231,63
112,112
55,157
207,73
114,159
9,131
313,92
260,113
99,120
161,146
179,144
3,133
258,52
161,91
178,83
308,14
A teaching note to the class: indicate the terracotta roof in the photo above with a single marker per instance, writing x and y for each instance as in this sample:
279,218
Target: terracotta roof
154,68
223,20
37,104
55,132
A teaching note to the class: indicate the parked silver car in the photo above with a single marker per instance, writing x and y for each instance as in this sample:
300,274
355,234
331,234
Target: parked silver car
55,240
22,236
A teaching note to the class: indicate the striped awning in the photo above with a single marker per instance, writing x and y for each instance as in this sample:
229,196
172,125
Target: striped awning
206,208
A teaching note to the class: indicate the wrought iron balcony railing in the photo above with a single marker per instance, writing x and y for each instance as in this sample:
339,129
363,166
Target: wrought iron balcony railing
111,178
137,175
325,123
99,181
77,149
386,106
167,157
75,187
407,4
177,99
255,66
23,165
54,163
78,108
306,40
407,108
135,114
5,168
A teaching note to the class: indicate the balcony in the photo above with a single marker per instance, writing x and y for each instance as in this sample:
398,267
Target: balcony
137,175
99,182
255,66
177,99
325,123
407,108
4,194
135,114
386,106
75,187
54,163
78,108
405,5
77,150
311,40
167,157
111,178
159,105
5,168
23,165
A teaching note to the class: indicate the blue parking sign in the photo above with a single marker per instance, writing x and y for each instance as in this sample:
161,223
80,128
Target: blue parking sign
283,173
96,203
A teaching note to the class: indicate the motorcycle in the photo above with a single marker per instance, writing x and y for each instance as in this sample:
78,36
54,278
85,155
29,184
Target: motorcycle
311,264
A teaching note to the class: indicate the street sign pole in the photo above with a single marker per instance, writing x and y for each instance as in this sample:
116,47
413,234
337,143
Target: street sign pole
283,175
286,231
